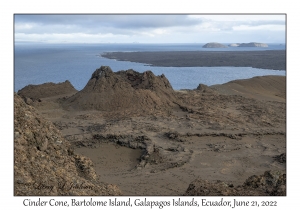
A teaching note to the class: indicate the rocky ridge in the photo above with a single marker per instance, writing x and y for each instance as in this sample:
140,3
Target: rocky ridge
125,91
44,162
33,93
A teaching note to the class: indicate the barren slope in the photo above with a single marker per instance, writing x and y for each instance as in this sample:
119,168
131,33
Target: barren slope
45,164
212,133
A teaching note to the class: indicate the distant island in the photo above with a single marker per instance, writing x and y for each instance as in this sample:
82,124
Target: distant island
234,45
251,44
264,59
214,45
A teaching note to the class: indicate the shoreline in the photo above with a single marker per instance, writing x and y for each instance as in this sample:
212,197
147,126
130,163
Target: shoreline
269,59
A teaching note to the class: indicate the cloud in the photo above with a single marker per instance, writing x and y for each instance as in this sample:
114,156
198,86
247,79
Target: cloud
145,28
259,27
98,23
233,22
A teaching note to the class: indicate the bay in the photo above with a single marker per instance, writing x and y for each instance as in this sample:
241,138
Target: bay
40,63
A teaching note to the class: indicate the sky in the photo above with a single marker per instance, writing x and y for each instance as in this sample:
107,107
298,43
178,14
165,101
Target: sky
149,28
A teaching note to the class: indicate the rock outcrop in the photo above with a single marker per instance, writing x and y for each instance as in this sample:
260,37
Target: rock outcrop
35,92
281,158
124,90
205,89
214,45
270,183
45,164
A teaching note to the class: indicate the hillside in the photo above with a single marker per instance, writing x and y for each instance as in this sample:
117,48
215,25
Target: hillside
45,163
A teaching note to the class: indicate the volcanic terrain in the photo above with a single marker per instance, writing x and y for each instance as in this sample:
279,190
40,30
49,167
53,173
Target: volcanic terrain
133,131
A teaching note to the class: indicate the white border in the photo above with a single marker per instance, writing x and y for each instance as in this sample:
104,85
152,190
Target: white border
8,8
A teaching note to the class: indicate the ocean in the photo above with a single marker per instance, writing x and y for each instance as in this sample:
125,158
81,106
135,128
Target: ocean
41,63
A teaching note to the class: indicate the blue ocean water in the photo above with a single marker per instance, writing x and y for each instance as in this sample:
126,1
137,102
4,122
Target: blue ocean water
40,63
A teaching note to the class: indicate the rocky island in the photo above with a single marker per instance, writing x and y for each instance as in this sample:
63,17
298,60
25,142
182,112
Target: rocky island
129,133
214,45
251,44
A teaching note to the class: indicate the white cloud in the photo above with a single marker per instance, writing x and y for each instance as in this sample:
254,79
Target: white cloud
146,28
67,38
259,27
238,18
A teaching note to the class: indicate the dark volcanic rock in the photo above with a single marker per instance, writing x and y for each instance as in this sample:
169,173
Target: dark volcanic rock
146,80
281,158
46,90
214,45
270,183
124,90
205,89
202,87
45,164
